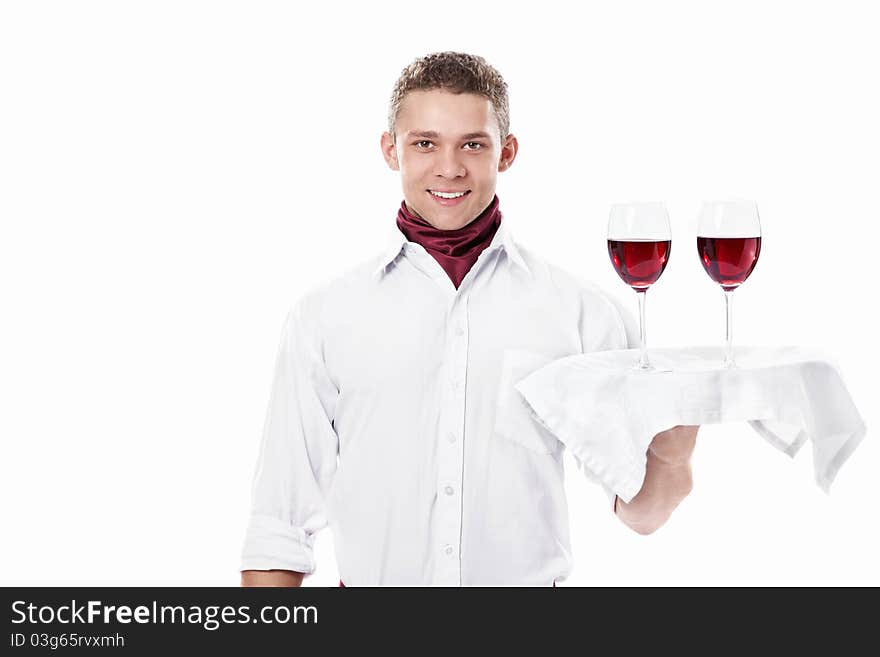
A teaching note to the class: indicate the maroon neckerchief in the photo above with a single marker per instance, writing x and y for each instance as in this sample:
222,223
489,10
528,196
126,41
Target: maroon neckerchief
456,250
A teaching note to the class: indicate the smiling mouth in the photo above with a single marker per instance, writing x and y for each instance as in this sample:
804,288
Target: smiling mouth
448,196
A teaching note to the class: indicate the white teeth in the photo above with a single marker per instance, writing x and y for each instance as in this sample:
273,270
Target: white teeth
445,195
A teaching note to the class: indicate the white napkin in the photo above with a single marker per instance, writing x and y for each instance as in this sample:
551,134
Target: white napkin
607,413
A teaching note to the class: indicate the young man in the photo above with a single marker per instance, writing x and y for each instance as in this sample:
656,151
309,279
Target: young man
393,416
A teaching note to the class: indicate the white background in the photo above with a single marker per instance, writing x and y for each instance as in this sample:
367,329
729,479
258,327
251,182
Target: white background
174,174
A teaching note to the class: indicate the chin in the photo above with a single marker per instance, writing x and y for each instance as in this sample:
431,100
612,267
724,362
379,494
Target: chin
451,220
449,223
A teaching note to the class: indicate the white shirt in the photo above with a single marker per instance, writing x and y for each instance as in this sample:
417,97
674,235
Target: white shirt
393,419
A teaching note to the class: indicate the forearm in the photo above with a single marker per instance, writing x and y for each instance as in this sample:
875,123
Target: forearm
667,482
288,578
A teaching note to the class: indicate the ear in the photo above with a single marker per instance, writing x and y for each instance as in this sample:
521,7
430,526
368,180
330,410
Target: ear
509,149
389,151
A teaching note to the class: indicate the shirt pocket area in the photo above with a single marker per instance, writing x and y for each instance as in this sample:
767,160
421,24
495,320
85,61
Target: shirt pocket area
514,420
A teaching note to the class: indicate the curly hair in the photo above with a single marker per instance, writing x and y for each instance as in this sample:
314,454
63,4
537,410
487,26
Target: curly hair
456,72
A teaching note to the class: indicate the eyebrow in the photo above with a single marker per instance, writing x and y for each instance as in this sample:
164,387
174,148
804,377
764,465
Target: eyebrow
431,134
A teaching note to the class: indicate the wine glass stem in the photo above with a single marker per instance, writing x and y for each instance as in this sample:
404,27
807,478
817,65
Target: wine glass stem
643,357
728,304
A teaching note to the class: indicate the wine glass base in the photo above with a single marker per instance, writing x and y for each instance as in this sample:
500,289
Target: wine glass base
728,362
643,364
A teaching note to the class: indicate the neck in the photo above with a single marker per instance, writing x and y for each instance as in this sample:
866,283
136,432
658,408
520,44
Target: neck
455,249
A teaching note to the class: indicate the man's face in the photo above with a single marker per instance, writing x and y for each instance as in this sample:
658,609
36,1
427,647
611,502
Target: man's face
451,143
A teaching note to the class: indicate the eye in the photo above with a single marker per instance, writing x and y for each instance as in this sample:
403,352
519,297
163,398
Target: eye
423,141
475,143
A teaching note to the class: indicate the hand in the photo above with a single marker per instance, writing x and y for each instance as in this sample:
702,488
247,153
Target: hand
674,446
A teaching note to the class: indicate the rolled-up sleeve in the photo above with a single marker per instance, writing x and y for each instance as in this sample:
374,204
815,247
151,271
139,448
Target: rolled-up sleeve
297,457
605,323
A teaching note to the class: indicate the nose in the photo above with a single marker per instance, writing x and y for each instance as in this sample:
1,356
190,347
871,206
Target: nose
448,164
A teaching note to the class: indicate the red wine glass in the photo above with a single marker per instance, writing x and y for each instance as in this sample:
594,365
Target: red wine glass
729,243
639,242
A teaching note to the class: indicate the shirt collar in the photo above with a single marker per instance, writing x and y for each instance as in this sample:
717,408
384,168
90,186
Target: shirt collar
502,239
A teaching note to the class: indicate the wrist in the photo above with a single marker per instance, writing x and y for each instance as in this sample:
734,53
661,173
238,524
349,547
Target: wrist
670,459
674,446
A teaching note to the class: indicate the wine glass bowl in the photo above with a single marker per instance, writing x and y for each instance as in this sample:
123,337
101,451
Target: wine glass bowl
639,263
729,260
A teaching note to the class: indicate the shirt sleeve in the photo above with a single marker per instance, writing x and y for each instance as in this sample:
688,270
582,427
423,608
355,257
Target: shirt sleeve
628,321
297,457
605,323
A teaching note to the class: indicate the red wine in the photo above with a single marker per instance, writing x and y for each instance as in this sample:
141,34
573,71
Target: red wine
729,260
639,263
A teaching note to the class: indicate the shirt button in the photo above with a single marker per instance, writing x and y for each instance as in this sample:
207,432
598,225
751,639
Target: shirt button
450,437
456,385
448,550
449,490
459,331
